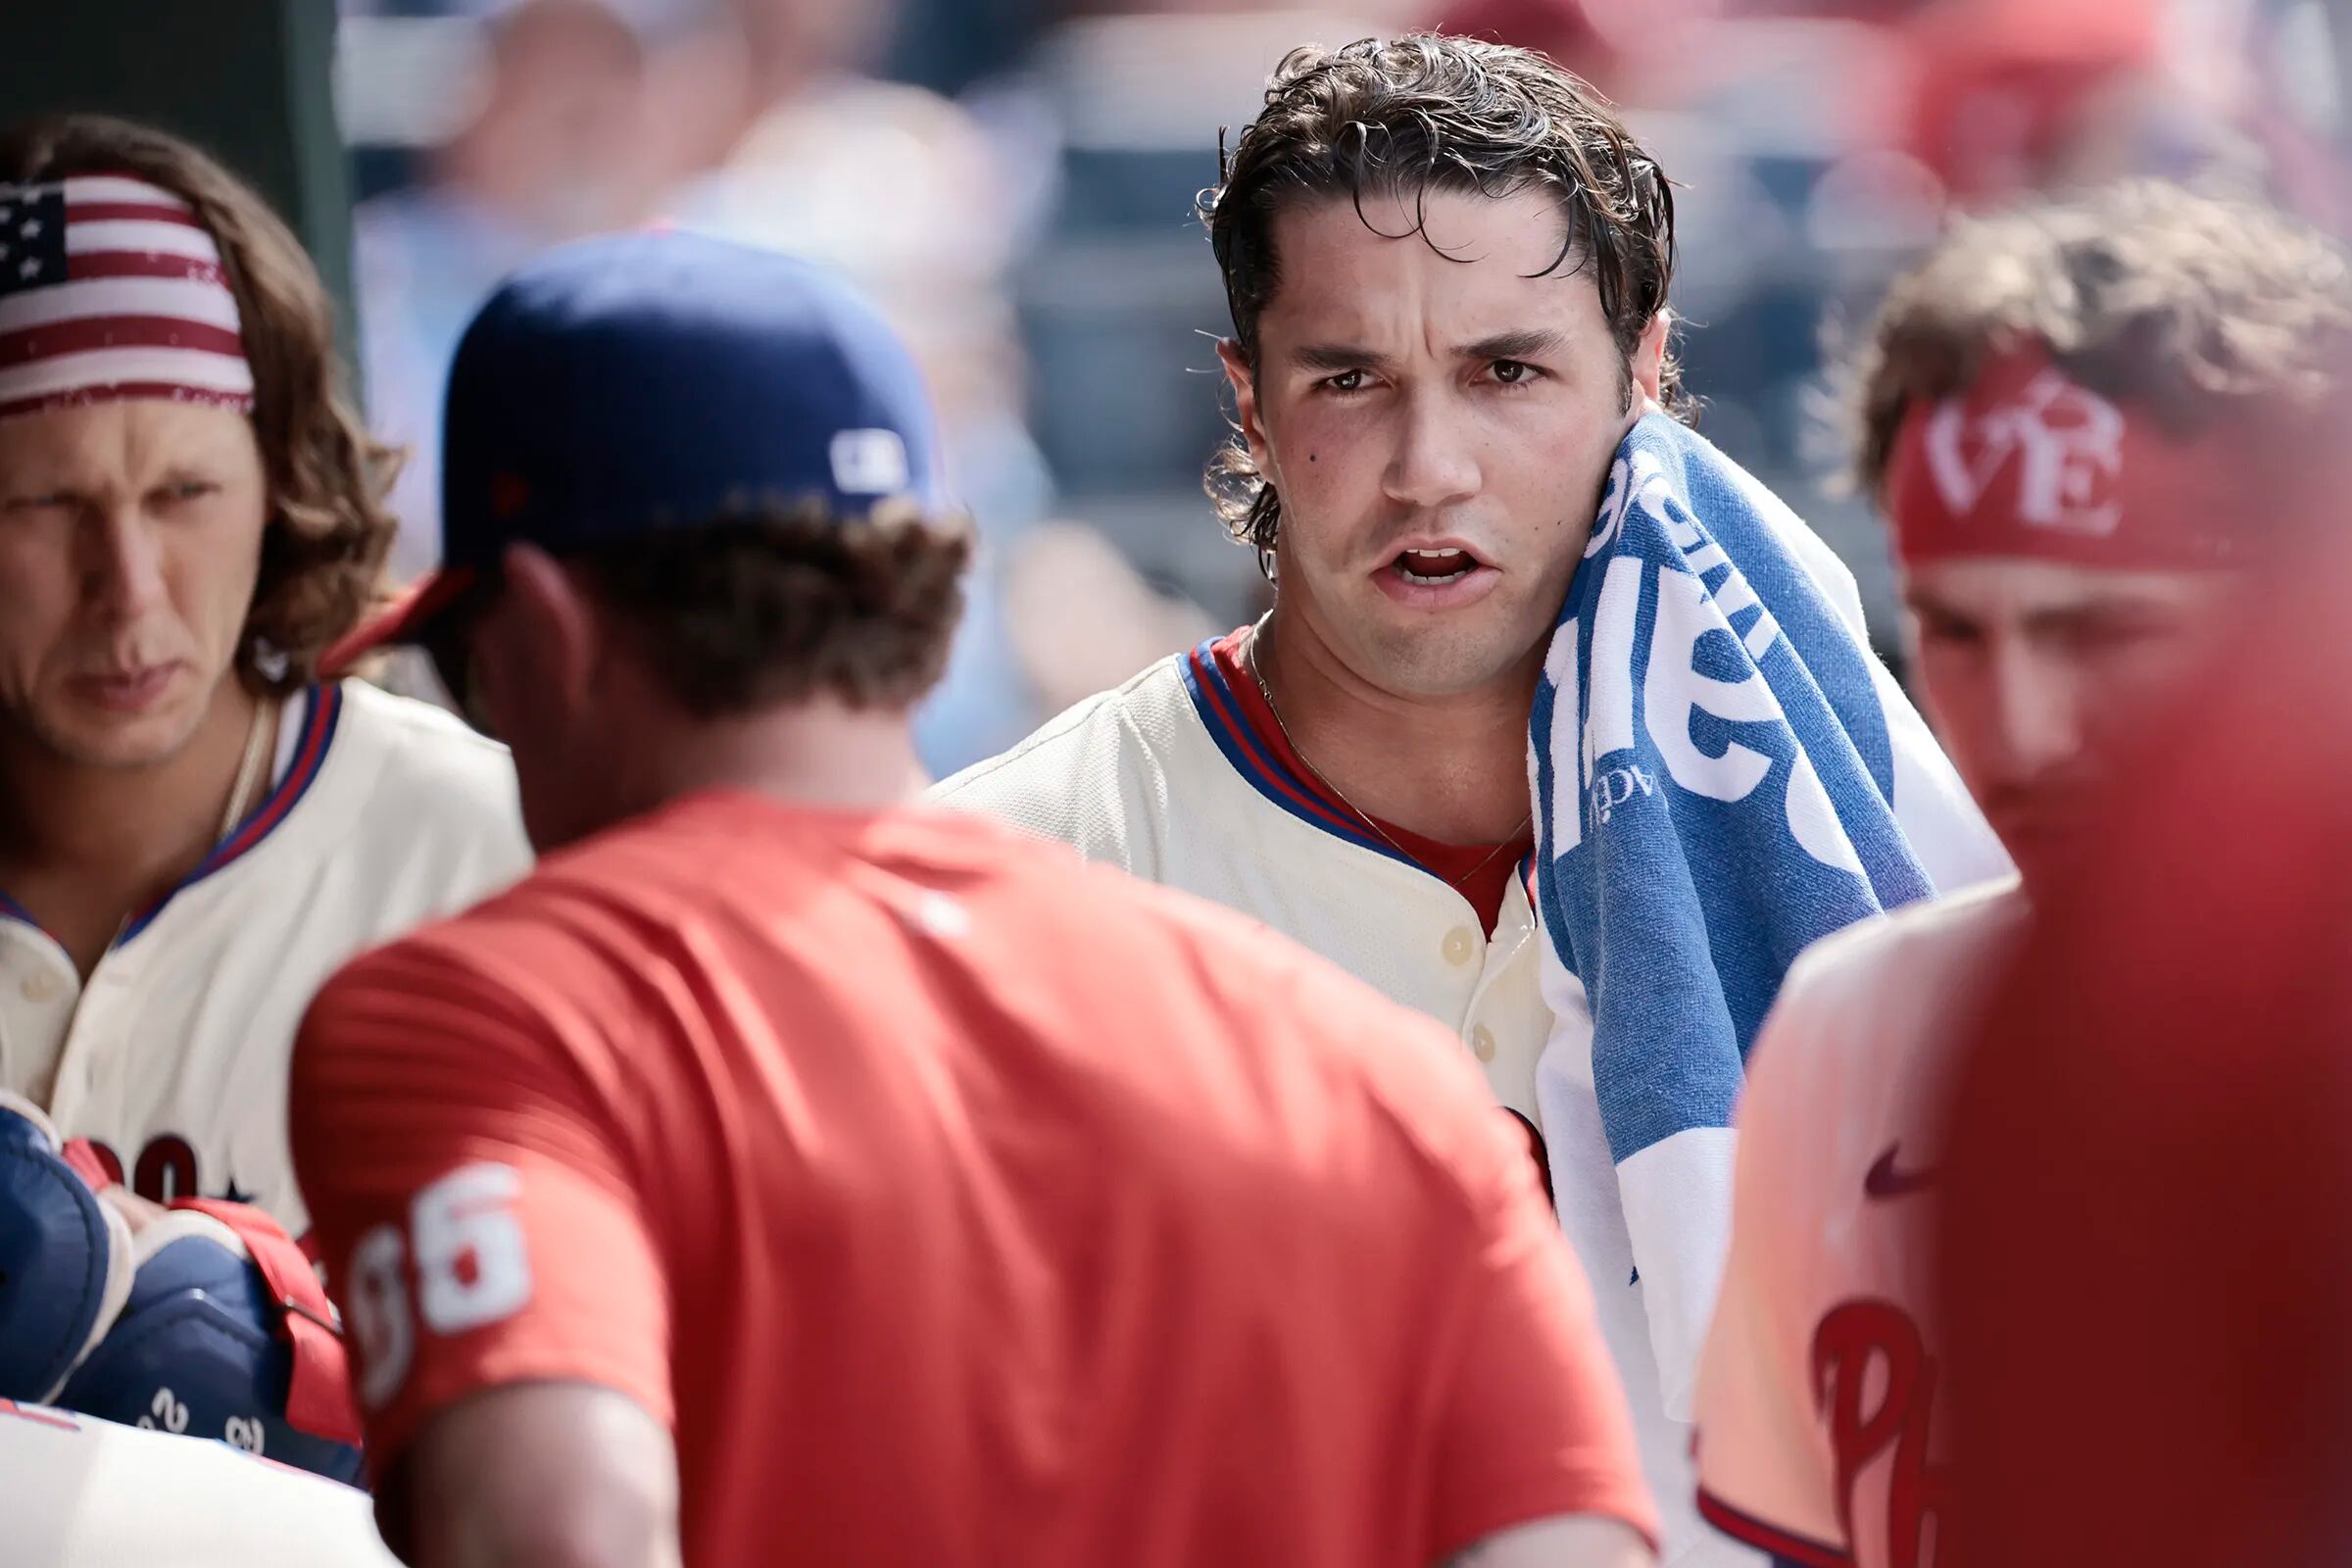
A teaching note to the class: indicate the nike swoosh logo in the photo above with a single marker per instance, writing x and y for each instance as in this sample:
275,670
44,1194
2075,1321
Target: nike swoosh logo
1885,1180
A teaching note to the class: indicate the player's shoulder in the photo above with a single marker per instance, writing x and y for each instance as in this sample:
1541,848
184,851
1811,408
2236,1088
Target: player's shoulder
1880,991
419,771
1086,776
410,801
590,905
1913,944
1120,726
1271,982
507,985
421,751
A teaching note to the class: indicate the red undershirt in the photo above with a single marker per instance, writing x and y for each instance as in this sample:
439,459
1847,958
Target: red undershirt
1486,870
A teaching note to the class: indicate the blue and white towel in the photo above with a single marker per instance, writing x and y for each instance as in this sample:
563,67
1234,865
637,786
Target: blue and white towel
1723,773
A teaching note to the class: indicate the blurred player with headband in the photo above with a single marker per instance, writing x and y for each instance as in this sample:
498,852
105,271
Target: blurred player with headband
2072,415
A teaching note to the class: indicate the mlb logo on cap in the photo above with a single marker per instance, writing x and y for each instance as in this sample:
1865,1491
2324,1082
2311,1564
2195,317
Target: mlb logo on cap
653,382
869,462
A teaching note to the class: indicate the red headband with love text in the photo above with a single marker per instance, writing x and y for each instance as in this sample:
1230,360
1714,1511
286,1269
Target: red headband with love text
2029,462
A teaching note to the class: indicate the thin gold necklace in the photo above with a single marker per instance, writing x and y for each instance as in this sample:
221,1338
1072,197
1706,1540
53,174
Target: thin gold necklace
1257,673
240,790
249,770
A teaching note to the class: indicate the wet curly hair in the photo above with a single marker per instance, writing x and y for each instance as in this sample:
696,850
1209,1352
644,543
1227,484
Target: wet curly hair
322,552
1428,112
2189,306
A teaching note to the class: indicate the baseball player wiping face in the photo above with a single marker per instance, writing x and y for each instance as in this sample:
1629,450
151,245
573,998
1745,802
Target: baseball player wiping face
1447,264
1437,398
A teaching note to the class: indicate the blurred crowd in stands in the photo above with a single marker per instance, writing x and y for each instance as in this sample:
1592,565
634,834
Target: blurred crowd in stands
1013,180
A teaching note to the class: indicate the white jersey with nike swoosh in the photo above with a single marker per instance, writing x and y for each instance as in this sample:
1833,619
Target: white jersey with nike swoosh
1818,1410
81,1492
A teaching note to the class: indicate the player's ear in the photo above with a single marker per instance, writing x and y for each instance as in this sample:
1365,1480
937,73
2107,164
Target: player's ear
539,642
1243,380
1649,356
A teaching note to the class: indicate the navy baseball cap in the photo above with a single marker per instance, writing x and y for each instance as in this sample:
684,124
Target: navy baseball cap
652,382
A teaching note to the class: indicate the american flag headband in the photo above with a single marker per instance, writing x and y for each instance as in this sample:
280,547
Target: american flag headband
111,287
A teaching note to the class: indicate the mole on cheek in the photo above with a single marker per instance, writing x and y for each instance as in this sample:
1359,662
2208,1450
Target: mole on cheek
1311,457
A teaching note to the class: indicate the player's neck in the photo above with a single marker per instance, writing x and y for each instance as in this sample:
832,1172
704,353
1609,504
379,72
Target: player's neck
820,753
83,848
1453,768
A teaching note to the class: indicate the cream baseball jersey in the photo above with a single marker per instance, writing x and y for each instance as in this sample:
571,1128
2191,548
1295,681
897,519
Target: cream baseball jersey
172,1056
81,1492
1819,1411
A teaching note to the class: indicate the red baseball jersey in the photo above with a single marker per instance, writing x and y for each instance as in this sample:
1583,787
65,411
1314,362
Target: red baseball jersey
955,1203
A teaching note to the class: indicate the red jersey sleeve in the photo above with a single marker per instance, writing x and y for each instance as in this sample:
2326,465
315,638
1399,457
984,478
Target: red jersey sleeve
478,1222
1534,1421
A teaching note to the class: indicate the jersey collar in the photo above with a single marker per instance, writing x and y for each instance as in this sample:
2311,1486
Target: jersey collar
1255,755
323,711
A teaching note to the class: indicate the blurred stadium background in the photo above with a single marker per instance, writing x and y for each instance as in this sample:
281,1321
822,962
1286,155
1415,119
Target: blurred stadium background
1014,180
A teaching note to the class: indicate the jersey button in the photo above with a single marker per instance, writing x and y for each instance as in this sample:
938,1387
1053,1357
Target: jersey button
39,987
1458,945
1482,1043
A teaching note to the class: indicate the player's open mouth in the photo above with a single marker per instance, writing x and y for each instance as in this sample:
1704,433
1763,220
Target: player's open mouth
1432,566
1435,575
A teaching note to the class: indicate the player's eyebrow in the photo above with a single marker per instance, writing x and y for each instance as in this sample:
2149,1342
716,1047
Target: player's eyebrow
1336,357
37,487
1927,606
2064,619
1521,343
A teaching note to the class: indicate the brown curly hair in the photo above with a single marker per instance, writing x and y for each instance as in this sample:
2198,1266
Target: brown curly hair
1427,112
2189,306
322,553
791,602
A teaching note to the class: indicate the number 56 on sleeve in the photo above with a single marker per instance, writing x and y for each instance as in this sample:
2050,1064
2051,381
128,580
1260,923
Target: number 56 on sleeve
473,1269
